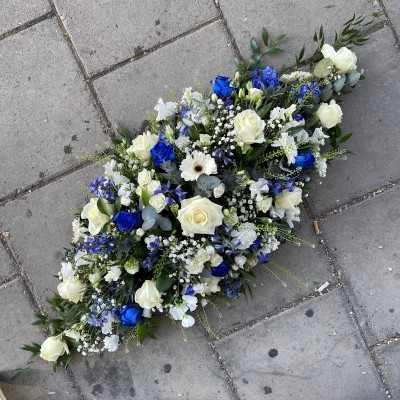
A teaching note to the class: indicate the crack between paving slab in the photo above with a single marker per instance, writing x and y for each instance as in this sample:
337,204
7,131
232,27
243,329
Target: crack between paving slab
345,291
389,22
353,201
384,342
27,25
8,280
150,50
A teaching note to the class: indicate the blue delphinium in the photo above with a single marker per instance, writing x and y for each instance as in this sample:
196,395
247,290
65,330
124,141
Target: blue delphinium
126,220
222,86
263,258
307,87
277,187
130,315
162,152
304,160
99,312
172,196
264,78
102,187
97,244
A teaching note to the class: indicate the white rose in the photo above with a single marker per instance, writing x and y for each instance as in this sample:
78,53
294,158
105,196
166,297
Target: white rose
254,94
204,138
152,186
142,145
219,190
289,200
344,59
249,128
199,215
265,204
113,274
52,348
144,177
72,289
96,219
148,295
158,202
329,114
215,259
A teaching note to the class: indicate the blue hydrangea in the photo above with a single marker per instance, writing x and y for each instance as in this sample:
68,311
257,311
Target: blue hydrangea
94,245
264,78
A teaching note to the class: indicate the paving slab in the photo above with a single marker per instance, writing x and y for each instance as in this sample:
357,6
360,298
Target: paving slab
376,139
105,34
313,351
39,226
393,10
297,19
364,241
389,359
17,12
308,265
129,92
16,316
7,268
164,369
48,116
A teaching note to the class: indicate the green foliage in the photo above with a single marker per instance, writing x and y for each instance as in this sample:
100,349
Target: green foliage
336,138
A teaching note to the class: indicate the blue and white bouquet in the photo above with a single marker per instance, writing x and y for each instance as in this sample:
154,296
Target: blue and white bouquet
186,211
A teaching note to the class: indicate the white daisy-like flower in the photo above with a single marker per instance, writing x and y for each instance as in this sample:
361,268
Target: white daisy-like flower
287,143
196,164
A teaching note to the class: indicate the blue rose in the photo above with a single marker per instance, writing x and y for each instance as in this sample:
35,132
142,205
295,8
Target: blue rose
130,315
222,86
126,220
304,160
220,270
162,152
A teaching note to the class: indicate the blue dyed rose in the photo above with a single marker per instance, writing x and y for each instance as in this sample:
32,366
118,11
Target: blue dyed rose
267,77
130,315
222,86
304,160
126,220
220,270
162,152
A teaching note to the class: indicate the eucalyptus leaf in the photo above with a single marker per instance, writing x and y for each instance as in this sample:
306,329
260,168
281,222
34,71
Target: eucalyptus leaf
164,223
326,94
148,224
207,182
149,212
352,78
338,84
323,68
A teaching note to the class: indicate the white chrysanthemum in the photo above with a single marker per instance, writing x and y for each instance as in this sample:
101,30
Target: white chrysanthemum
194,267
196,164
296,75
288,145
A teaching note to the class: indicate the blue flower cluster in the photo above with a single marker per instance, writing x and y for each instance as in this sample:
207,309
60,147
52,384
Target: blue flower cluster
94,245
304,160
232,287
172,196
155,248
264,78
308,87
103,187
99,312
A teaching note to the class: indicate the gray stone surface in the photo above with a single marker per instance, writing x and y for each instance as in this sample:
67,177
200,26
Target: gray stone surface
389,359
16,316
365,243
297,19
374,123
393,10
313,351
40,227
6,266
131,91
105,34
47,116
308,265
17,12
164,369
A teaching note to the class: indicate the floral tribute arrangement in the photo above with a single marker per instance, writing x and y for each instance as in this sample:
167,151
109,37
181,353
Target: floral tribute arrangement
185,211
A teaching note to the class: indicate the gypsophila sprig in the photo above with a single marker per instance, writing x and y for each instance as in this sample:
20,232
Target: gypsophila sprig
186,212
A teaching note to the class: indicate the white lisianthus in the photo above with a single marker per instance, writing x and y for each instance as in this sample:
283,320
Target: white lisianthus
142,145
188,321
215,259
145,177
249,129
196,164
111,343
178,311
52,348
158,202
219,191
96,218
113,274
246,234
199,215
67,271
164,110
72,289
329,114
254,94
288,145
148,295
289,200
344,59
265,204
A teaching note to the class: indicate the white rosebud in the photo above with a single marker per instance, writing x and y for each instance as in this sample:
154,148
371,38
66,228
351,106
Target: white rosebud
72,289
158,202
148,295
329,114
96,218
249,129
254,94
144,177
152,186
344,59
142,145
52,348
289,200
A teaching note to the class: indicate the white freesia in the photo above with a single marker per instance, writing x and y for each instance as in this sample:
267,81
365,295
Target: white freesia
288,145
219,191
96,218
289,200
72,289
199,215
344,59
111,343
196,164
52,348
145,177
164,110
142,145
148,295
158,202
113,274
249,129
329,114
246,234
